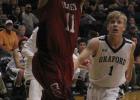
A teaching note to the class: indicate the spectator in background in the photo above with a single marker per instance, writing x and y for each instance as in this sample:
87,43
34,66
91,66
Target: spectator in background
131,22
22,9
7,7
82,42
132,31
3,17
21,33
122,3
86,23
16,16
135,39
19,65
114,6
130,10
88,7
13,2
137,2
0,2
8,38
29,20
8,46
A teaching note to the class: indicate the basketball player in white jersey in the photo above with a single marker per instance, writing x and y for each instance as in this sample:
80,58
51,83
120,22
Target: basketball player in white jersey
29,48
111,60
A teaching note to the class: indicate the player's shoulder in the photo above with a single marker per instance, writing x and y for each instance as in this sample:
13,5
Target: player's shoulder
128,41
94,42
93,39
96,39
102,38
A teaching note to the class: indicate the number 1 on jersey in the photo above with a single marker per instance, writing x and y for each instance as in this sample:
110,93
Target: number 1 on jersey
110,71
70,22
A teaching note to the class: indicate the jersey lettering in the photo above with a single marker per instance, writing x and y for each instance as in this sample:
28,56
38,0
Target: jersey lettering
116,59
71,6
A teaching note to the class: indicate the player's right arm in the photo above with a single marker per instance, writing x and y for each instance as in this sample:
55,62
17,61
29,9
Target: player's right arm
42,3
90,50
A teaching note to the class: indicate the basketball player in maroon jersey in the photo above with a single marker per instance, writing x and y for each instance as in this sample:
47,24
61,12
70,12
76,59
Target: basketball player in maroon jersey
56,40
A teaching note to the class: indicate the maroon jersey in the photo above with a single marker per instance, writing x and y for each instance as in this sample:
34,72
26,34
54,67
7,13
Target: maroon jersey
59,27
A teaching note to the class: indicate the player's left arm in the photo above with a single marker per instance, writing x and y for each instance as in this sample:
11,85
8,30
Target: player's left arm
129,71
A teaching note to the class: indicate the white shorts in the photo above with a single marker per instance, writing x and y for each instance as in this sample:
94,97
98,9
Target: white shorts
35,90
98,93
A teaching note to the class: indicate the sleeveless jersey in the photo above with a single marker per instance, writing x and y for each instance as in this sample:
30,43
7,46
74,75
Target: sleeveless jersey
109,65
61,21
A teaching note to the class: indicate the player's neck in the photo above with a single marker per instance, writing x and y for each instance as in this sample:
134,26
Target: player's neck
115,42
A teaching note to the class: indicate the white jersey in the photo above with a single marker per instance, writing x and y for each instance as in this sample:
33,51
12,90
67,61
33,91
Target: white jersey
109,65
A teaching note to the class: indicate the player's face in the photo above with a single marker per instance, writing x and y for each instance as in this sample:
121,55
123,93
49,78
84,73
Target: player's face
116,26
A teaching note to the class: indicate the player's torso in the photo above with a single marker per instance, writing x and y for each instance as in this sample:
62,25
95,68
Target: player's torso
63,19
109,65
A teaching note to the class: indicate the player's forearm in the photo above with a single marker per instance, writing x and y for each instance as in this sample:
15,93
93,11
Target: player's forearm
83,59
128,76
130,70
77,65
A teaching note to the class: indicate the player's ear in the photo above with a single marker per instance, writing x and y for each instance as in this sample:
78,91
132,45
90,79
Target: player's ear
125,26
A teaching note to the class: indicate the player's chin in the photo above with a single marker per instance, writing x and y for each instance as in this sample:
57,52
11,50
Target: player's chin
116,33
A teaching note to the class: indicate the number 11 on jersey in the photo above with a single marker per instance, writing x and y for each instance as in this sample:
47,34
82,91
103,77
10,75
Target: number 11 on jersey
70,22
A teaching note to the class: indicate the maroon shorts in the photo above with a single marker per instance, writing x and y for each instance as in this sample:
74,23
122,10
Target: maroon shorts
55,76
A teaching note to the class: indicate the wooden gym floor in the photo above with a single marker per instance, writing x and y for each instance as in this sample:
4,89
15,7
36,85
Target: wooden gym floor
132,96
128,96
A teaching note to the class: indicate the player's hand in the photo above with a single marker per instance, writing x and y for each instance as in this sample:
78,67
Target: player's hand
84,64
